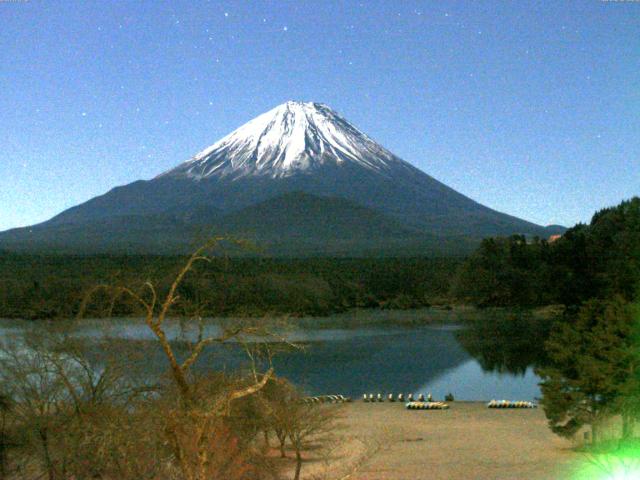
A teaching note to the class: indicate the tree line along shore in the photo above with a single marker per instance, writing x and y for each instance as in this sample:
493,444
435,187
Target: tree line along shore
62,418
601,259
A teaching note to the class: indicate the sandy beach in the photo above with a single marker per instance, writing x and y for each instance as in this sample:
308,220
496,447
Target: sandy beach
468,441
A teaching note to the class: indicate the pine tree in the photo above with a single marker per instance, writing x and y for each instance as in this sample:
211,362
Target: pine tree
594,361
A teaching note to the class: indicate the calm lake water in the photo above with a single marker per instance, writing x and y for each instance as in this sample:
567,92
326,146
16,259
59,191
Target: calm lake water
427,359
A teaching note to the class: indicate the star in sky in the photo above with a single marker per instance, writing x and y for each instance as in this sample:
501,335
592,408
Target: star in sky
374,37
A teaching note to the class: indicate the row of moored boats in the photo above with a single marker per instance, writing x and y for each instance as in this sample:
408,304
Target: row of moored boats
369,398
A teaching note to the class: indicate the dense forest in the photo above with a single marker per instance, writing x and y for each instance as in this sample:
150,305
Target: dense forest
589,363
600,260
51,286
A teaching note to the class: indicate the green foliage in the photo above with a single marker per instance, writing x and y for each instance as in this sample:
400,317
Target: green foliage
52,286
504,272
594,367
598,260
507,341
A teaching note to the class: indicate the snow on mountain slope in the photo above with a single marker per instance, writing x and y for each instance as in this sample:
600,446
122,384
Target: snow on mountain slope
298,168
294,137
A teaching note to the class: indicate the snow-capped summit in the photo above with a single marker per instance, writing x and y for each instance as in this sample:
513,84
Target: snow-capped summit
299,179
294,137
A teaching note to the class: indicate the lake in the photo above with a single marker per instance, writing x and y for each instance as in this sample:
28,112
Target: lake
432,359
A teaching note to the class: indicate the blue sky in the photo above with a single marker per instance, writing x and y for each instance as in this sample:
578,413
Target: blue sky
532,108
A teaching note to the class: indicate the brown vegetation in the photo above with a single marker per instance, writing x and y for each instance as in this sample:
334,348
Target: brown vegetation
68,417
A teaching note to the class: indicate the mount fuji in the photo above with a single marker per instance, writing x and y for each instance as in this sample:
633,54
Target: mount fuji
300,180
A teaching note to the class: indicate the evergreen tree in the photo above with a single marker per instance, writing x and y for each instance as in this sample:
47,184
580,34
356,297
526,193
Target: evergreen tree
594,361
601,260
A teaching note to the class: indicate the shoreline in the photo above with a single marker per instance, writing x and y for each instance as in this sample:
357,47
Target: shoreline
387,442
353,318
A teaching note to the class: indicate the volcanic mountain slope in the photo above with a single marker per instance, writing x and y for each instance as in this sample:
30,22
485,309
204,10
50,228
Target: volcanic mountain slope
255,178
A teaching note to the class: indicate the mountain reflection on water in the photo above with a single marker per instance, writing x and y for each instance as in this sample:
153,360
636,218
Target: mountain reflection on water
483,361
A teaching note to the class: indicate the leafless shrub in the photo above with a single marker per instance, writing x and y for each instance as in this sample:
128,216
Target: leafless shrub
81,416
197,426
59,400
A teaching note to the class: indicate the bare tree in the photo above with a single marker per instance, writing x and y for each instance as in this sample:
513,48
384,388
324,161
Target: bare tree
61,402
308,425
38,401
195,428
86,417
278,397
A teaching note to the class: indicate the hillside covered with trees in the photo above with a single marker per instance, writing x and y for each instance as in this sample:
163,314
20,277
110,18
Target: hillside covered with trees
52,286
591,370
601,259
